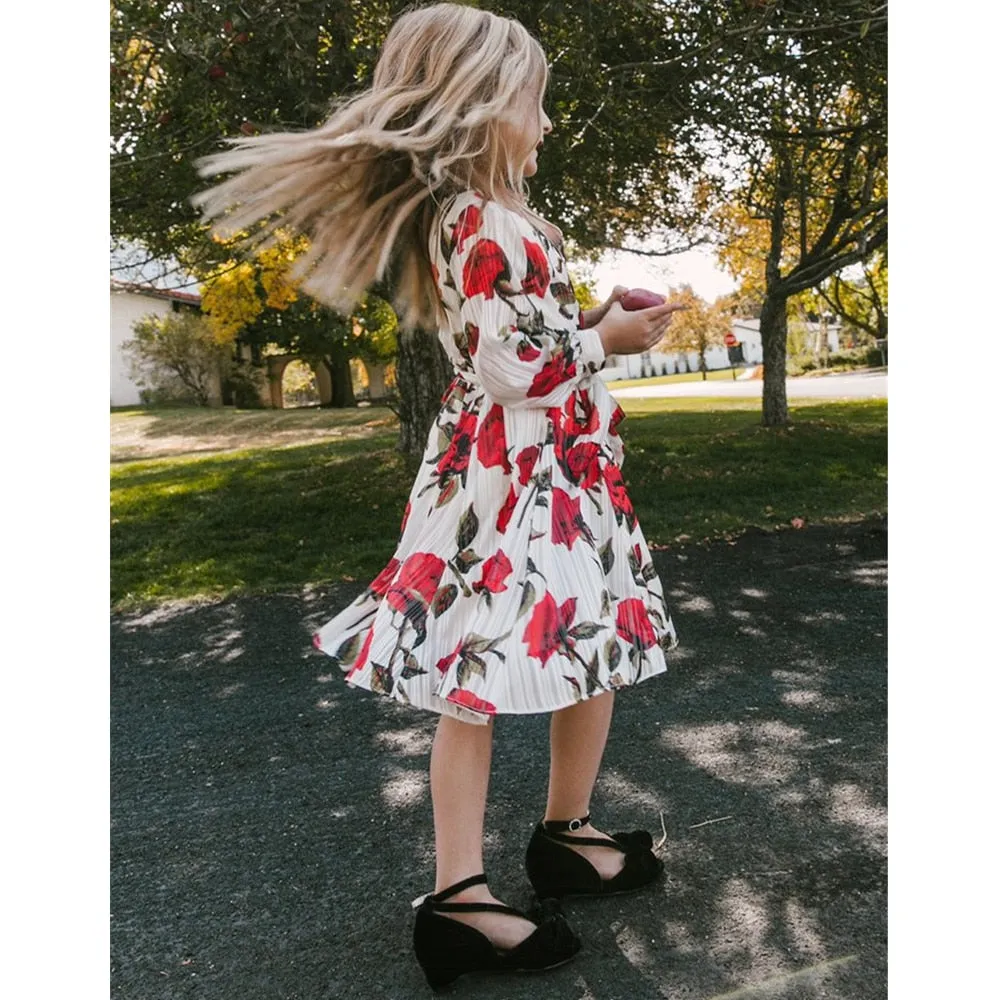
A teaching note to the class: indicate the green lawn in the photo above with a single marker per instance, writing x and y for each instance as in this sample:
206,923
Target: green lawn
317,496
716,375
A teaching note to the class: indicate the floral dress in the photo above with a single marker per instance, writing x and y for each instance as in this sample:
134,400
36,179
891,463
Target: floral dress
521,581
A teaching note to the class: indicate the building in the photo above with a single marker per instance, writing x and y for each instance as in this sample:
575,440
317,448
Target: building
131,301
746,331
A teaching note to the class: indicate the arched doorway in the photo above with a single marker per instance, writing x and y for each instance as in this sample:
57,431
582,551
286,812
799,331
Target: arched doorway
299,386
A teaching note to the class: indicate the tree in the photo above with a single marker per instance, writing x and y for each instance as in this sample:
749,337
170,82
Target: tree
186,74
862,302
258,303
642,96
813,138
176,357
697,328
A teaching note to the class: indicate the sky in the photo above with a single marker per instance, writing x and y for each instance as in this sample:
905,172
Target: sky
697,268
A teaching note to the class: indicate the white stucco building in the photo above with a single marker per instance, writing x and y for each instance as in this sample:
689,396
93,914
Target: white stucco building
131,301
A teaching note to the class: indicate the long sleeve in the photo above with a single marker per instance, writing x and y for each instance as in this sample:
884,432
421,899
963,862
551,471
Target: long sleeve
520,319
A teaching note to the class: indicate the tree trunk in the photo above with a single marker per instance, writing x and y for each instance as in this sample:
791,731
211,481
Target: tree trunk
341,389
423,373
774,341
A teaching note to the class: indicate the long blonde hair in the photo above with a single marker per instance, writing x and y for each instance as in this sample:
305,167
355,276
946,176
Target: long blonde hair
450,84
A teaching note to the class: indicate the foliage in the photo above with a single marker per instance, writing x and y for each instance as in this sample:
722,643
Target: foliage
787,99
298,385
862,303
256,302
175,357
698,327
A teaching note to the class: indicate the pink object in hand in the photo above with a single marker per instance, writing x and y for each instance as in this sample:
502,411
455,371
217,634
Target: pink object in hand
640,298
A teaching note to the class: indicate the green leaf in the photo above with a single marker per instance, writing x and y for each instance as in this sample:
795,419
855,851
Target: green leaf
586,630
348,651
607,556
465,560
411,668
468,528
527,599
448,493
443,599
612,653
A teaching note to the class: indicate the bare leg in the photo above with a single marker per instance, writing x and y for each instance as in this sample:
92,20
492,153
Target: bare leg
460,775
577,736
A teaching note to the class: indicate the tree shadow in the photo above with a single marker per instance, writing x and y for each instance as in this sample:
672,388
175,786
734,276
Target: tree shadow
270,825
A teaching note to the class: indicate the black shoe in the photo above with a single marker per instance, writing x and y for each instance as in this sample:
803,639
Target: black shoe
556,871
447,948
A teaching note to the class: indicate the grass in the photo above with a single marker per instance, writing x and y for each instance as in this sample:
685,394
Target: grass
287,509
146,433
716,375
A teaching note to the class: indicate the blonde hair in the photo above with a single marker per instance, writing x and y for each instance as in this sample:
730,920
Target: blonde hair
449,84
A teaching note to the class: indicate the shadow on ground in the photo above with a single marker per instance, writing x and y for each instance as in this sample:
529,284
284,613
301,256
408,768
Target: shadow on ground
271,825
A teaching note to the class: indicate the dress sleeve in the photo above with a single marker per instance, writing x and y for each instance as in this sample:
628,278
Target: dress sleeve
521,325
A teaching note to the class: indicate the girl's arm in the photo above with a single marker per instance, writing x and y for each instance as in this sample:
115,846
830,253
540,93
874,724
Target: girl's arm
521,322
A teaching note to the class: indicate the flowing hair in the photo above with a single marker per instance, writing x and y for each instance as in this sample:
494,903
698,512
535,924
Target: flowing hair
449,91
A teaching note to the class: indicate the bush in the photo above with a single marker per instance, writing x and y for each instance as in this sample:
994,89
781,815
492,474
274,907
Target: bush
175,358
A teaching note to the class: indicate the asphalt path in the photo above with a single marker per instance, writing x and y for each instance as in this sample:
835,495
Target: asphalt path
861,385
270,825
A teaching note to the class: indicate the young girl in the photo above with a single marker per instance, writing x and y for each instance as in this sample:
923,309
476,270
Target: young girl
521,581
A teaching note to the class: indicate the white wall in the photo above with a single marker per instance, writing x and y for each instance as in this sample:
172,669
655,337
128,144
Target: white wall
126,308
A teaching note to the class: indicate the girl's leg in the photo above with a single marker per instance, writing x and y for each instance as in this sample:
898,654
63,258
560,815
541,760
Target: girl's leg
577,736
460,774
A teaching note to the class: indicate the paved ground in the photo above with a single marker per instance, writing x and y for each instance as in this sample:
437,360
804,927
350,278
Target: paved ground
862,385
271,826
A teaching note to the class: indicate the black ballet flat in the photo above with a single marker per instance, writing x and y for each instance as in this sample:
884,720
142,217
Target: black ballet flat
447,949
556,871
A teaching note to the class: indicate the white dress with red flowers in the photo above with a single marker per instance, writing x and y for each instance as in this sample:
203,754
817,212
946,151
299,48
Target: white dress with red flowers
521,581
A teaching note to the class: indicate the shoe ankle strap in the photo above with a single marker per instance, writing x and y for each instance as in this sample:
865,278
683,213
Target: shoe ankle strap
451,890
565,824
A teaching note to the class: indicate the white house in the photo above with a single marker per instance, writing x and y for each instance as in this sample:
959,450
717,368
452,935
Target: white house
746,331
131,301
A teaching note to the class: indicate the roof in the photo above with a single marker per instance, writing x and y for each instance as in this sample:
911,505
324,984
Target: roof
139,288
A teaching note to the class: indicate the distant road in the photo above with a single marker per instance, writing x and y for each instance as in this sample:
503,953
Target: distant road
862,385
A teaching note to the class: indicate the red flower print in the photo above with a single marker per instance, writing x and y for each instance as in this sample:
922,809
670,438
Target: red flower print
547,630
503,518
472,335
417,581
581,464
566,518
383,581
316,641
496,569
536,281
581,413
616,418
526,351
491,444
554,372
619,496
459,696
446,661
467,224
526,459
362,656
633,623
484,267
406,517
455,460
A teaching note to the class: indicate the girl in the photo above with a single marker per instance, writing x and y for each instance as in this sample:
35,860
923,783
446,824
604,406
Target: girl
521,581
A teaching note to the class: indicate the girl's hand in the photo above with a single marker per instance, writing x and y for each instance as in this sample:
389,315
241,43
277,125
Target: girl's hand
591,317
624,332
